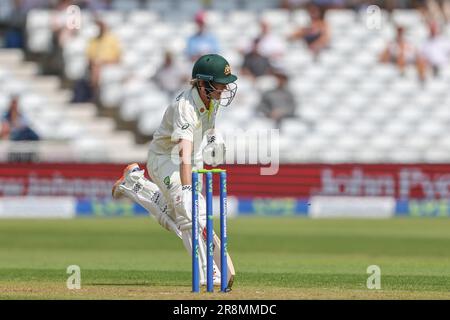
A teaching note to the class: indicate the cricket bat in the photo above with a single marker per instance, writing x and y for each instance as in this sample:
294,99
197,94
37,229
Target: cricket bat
216,255
230,272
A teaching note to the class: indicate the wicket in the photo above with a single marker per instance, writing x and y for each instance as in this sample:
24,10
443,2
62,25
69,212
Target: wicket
209,230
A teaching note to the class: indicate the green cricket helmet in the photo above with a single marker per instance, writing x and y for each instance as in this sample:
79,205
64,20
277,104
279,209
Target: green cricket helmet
213,68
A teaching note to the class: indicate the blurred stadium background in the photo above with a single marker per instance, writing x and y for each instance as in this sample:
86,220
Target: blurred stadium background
353,123
360,95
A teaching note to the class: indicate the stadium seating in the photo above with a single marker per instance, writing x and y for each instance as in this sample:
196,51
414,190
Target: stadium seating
61,125
360,110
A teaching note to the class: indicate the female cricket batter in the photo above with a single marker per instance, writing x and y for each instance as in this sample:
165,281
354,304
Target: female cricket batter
176,149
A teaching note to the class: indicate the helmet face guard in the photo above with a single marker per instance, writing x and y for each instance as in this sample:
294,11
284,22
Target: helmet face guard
215,72
226,95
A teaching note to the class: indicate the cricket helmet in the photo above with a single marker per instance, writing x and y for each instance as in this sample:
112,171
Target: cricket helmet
213,68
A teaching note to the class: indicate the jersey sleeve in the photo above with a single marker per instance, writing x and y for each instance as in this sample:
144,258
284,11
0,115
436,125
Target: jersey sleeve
184,122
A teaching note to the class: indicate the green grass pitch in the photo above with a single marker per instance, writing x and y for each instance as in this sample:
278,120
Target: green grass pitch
275,258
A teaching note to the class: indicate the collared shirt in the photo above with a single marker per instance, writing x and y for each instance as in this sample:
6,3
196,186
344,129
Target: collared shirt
186,118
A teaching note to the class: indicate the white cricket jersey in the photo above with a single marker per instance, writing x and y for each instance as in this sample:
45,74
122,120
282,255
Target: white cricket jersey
185,118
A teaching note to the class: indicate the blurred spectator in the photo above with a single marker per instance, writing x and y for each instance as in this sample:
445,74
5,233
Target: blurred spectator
293,4
102,50
14,25
390,5
436,50
59,22
445,7
207,4
360,5
255,64
61,35
316,35
170,76
436,10
330,4
402,53
278,103
270,45
202,42
353,4
15,126
7,6
95,5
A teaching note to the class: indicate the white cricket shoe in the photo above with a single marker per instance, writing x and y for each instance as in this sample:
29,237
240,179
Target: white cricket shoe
116,192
